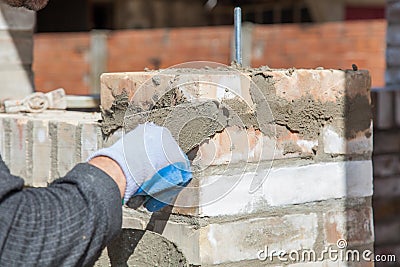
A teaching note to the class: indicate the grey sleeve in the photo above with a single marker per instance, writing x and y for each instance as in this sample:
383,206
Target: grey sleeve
67,223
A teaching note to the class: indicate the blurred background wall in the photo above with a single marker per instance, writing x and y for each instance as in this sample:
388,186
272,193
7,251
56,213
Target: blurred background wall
90,37
77,40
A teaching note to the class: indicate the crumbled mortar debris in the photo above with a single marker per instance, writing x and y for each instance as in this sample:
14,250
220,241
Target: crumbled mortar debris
192,122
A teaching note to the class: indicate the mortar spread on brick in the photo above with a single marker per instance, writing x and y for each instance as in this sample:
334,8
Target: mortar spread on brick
307,116
291,147
195,121
181,116
356,121
113,118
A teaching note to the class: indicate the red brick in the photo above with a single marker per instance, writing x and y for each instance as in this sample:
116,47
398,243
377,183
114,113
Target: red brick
333,45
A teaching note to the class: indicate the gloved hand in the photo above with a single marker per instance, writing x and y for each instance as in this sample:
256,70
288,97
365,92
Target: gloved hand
153,163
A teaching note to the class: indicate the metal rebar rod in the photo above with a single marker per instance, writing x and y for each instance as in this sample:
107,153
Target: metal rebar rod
238,35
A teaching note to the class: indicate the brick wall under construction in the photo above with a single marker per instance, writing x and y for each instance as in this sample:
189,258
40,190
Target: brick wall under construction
334,45
318,185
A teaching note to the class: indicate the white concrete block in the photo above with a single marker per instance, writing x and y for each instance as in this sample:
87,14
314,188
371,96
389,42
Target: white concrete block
66,147
41,151
316,182
230,194
90,139
243,239
335,143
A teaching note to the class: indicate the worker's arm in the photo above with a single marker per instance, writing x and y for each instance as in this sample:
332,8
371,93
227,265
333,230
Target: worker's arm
69,222
112,168
66,224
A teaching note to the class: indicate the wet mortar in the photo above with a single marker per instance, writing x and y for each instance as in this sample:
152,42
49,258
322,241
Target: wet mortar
305,116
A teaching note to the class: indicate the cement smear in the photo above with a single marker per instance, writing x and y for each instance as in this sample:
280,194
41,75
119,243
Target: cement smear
306,115
113,118
355,120
191,123
142,249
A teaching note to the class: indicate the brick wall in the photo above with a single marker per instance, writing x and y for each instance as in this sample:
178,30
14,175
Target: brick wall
387,143
333,45
330,45
318,189
62,60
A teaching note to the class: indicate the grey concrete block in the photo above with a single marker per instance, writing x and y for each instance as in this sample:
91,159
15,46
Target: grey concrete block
393,11
16,47
387,142
385,114
393,56
16,18
16,84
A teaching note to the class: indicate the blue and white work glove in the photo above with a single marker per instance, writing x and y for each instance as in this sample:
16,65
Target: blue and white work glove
154,165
